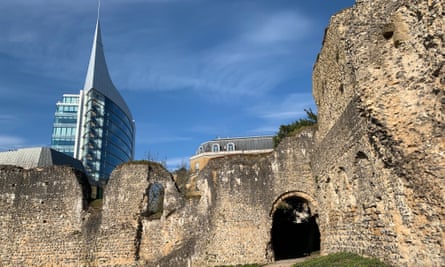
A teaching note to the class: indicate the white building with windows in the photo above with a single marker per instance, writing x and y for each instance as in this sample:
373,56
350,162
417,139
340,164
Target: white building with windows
221,147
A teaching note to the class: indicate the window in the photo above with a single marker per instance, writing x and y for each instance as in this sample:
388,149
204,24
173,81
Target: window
215,148
230,147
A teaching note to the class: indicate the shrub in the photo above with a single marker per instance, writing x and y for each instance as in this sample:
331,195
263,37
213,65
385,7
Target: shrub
287,130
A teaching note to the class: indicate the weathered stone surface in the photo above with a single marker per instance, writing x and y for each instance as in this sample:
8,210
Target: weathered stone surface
380,148
372,171
126,223
238,225
40,216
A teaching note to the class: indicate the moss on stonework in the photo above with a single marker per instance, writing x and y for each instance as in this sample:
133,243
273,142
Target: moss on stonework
343,259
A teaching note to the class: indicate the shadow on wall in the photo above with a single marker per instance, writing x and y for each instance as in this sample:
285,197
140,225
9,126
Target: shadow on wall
294,231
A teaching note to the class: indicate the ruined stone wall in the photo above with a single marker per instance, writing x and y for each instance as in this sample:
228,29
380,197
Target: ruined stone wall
373,170
227,219
238,227
291,166
46,220
243,190
379,160
359,206
116,236
40,216
129,233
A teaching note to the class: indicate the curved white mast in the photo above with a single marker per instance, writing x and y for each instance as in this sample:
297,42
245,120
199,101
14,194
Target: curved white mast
98,9
98,77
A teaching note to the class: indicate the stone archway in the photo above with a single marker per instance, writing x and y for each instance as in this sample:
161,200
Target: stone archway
294,230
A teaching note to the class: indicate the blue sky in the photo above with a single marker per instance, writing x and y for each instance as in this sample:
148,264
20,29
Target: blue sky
190,70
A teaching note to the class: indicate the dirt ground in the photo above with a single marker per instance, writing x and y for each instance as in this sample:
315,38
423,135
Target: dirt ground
290,262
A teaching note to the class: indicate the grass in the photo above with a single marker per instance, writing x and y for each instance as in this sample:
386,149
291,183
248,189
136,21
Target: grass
343,259
241,265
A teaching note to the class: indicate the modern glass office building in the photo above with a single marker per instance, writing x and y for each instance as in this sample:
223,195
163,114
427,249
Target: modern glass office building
65,124
104,131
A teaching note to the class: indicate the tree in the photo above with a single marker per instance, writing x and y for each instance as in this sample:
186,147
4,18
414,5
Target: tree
287,130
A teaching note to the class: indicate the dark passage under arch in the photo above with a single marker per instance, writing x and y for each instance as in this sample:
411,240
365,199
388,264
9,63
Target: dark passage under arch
294,231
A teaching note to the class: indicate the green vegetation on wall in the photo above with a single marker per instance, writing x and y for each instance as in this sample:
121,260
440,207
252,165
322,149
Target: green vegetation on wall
241,265
343,259
287,130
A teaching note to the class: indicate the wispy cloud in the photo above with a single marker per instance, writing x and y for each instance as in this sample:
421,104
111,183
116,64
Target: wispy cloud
7,117
256,59
279,27
8,122
207,129
275,112
265,130
195,70
249,57
149,134
162,139
11,142
289,107
176,163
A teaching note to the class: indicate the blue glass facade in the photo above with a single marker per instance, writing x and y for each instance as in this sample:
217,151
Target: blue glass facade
65,125
95,126
107,136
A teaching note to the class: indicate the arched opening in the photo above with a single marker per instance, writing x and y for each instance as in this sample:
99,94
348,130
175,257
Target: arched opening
294,231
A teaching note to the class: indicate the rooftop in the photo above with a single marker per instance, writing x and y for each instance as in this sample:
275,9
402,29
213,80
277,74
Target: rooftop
34,157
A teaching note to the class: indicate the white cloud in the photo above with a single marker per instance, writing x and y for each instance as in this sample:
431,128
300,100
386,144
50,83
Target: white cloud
207,129
20,37
162,139
7,118
8,121
265,130
10,142
150,133
257,58
176,163
251,56
279,27
289,107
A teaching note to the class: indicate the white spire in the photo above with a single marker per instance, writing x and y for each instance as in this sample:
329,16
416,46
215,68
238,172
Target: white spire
97,75
98,9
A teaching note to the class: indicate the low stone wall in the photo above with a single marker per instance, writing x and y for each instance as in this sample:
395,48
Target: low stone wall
41,216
